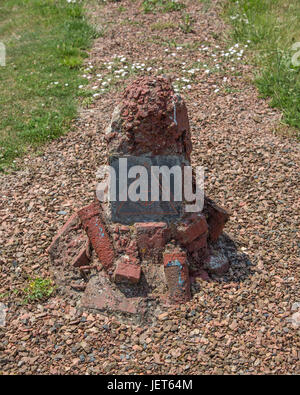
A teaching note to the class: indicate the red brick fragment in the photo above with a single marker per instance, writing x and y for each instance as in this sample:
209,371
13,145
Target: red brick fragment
151,239
193,227
110,298
90,211
72,223
99,238
105,302
84,256
71,245
127,271
198,243
177,276
216,219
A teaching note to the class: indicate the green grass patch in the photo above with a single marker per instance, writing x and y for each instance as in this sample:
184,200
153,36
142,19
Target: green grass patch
161,25
38,289
46,42
206,5
156,6
271,28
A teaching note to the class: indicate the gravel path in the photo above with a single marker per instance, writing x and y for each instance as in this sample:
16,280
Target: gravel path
239,323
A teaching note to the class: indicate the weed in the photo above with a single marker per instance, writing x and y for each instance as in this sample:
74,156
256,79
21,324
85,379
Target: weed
187,23
38,289
121,9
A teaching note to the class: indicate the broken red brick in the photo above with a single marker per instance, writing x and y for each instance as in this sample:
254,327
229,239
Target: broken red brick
216,219
122,238
72,223
99,238
151,239
110,299
177,276
71,245
104,302
193,227
151,234
198,243
84,256
132,249
127,271
90,211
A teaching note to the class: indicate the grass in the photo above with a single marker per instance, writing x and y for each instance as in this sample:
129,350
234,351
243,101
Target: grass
206,4
161,25
45,44
159,6
187,24
38,289
272,28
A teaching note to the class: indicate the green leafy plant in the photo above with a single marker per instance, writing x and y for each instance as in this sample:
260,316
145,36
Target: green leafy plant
38,289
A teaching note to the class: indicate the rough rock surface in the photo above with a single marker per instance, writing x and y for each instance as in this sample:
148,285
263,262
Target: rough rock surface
151,119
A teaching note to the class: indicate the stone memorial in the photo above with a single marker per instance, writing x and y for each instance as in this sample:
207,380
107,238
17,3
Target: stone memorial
135,258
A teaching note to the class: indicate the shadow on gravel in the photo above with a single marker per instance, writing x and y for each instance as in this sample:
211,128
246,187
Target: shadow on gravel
240,263
240,268
142,289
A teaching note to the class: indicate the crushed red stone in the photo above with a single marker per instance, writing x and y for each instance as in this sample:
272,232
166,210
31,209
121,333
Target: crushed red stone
239,323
